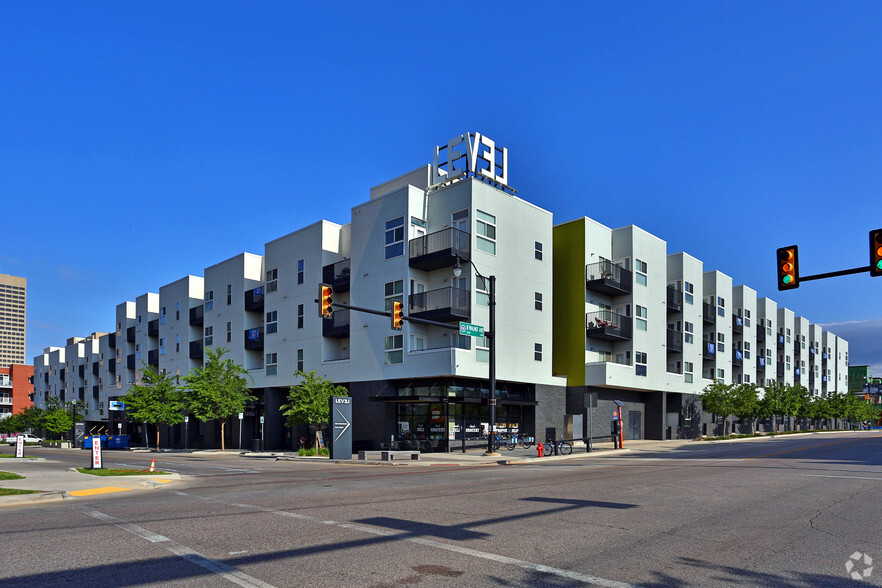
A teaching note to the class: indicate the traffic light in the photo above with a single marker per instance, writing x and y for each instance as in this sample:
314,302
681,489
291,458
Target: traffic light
325,301
397,315
876,252
788,268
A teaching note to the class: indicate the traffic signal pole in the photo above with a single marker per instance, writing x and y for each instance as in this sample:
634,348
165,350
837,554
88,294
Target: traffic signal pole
788,264
415,320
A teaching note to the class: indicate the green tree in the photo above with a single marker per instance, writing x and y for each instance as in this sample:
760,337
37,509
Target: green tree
717,399
309,401
745,403
218,390
773,402
796,401
819,409
59,416
27,419
156,400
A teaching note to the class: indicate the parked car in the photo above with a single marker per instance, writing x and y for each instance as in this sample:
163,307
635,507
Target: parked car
28,438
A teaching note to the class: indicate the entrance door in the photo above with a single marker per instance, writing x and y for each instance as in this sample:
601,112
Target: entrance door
633,424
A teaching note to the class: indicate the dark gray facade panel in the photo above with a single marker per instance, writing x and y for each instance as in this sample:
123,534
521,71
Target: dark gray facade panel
551,403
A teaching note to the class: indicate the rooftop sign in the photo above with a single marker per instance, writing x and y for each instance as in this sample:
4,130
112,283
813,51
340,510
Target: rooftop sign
471,154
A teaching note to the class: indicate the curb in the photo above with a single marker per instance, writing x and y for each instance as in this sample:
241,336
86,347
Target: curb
52,496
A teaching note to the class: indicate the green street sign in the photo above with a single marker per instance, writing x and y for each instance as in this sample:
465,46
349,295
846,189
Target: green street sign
471,330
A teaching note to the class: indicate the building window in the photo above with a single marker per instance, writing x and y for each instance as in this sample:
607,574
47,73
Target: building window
721,306
641,317
482,350
272,364
162,316
537,300
162,348
537,351
177,343
482,291
177,311
747,350
393,348
640,363
687,371
640,268
394,291
485,228
138,351
417,342
299,316
272,280
721,375
721,342
300,270
689,292
788,336
395,237
209,300
747,378
209,336
299,360
229,294
537,250
746,317
688,329
272,321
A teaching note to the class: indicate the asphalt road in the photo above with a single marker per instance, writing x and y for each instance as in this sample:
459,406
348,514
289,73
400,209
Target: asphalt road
781,512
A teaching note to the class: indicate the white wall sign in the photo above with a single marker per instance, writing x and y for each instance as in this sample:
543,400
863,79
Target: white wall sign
471,153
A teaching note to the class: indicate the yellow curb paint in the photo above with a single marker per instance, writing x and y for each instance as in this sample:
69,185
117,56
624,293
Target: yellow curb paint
94,491
162,481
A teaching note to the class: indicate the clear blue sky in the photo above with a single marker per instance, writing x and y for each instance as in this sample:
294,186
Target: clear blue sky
143,141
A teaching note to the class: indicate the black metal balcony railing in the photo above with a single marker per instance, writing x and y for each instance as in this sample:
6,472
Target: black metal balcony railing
130,361
130,334
675,298
337,275
153,328
737,324
444,305
780,340
708,350
811,377
737,357
197,315
780,368
196,349
153,357
608,278
254,338
608,325
675,340
440,249
709,312
254,299
761,364
338,325
760,333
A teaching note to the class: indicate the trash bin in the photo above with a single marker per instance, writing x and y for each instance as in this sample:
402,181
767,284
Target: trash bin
256,446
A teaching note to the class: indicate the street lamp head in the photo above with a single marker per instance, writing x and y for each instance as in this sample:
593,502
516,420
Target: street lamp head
457,268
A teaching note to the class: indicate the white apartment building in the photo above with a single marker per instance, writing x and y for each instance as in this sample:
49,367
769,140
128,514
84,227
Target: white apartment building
660,327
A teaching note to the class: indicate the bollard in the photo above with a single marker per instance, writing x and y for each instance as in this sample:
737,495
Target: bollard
539,448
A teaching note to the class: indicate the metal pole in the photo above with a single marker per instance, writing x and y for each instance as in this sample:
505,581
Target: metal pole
490,449
590,425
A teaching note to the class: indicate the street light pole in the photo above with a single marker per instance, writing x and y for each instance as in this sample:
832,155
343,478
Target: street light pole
491,335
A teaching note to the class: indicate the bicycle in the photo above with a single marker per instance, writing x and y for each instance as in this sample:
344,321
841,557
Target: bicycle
563,447
525,441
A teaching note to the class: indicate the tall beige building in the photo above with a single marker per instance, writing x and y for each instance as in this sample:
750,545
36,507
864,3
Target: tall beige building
13,316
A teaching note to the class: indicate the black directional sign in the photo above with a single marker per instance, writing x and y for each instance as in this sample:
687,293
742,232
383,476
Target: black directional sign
341,427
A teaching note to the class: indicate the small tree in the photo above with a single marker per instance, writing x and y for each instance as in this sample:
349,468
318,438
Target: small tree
796,401
218,390
717,399
30,418
773,402
58,420
155,400
309,401
745,403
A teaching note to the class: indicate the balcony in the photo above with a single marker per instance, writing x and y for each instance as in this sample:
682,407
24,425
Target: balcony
94,368
81,371
95,391
81,392
437,250
675,340
153,357
709,313
811,378
254,338
675,299
760,334
254,299
780,368
780,340
196,350
5,400
111,366
708,350
62,374
153,328
197,315
444,305
761,364
130,361
737,324
130,334
111,340
737,357
337,275
607,278
608,326
338,325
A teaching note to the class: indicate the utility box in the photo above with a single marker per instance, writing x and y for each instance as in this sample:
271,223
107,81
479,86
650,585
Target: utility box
574,427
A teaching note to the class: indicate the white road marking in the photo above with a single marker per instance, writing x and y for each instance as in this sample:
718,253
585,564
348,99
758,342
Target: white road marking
845,477
431,543
229,573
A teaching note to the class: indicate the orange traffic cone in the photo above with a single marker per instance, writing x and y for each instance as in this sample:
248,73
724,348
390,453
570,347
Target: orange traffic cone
152,465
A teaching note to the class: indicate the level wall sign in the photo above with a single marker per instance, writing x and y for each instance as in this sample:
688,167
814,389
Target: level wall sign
471,154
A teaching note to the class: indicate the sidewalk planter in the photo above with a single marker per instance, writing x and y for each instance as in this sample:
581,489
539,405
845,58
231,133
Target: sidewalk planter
59,444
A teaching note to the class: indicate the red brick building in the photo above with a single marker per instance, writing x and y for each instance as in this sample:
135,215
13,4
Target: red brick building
16,387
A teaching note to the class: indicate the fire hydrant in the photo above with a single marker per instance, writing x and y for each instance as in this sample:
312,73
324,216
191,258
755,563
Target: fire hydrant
540,449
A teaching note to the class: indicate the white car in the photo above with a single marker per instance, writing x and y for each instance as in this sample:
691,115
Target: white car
28,438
